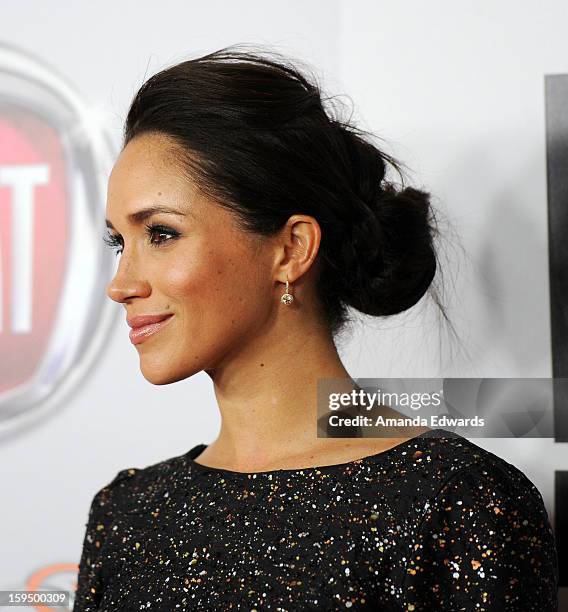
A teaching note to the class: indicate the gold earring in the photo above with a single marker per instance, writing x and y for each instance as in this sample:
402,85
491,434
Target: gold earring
287,298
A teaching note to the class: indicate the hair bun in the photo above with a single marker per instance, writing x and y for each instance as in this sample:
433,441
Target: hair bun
387,259
388,256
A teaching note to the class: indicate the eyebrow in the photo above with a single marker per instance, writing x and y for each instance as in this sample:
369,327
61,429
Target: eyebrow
141,215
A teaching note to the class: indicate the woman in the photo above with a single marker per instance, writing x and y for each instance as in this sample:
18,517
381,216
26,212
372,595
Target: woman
248,220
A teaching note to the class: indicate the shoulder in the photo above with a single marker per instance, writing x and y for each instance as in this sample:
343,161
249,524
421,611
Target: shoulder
487,494
131,485
460,468
448,459
484,537
419,468
106,497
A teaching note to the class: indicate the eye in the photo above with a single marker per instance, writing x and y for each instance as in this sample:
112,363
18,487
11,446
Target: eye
114,241
162,232
158,234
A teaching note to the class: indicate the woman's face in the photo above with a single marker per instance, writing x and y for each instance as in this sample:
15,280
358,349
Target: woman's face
192,263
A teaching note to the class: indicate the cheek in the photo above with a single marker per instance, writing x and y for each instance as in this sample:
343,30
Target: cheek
230,286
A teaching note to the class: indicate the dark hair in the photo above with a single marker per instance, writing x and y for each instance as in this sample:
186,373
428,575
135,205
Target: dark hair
254,134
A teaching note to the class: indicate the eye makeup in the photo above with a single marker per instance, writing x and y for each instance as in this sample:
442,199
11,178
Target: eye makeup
116,242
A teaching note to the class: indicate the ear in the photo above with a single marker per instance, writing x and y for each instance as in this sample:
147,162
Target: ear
297,247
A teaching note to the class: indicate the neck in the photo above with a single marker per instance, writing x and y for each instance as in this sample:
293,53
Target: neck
267,395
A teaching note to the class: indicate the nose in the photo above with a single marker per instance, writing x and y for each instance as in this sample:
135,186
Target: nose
127,284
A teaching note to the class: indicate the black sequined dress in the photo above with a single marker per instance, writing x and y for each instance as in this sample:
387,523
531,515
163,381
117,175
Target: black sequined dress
433,524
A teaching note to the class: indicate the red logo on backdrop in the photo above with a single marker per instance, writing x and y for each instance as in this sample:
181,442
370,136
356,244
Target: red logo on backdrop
34,211
54,162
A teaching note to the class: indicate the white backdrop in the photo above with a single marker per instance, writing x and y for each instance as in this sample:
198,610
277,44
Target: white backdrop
457,91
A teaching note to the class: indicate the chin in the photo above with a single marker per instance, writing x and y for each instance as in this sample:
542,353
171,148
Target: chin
164,375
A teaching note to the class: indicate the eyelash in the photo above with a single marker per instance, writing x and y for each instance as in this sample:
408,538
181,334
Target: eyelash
115,240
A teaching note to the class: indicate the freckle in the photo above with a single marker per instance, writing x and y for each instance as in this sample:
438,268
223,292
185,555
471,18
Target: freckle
218,271
159,193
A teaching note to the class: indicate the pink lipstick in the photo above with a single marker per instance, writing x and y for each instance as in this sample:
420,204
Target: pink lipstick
144,326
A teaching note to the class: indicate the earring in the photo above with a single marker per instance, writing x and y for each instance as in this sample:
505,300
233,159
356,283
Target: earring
287,298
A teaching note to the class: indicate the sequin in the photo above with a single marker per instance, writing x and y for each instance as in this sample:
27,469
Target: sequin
435,523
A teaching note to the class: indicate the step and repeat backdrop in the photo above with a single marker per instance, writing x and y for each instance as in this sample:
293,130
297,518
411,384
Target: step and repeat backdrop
473,97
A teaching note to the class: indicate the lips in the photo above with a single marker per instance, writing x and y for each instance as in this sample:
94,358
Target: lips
144,326
141,320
